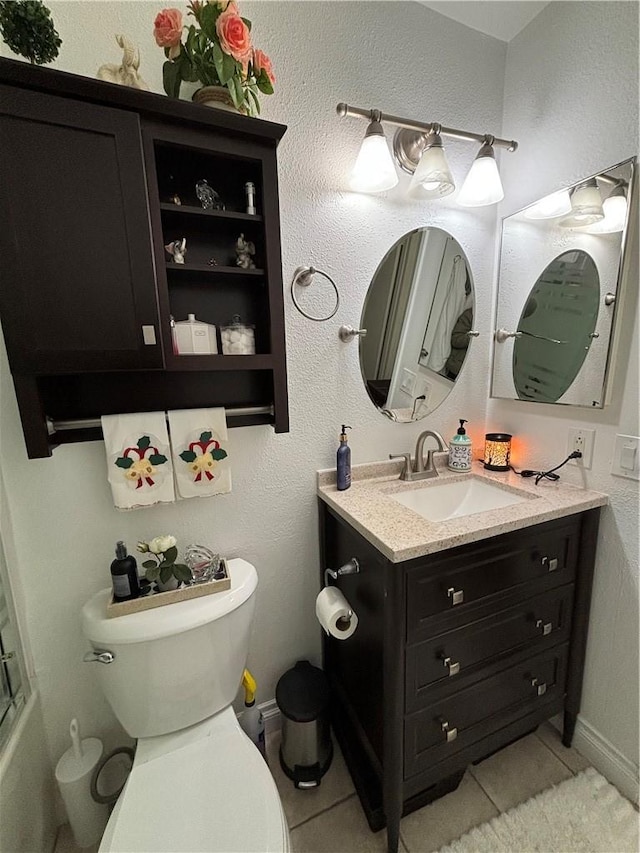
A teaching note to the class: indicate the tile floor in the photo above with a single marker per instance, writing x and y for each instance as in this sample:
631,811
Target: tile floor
329,819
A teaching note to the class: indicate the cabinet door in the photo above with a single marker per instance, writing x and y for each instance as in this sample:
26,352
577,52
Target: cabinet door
77,280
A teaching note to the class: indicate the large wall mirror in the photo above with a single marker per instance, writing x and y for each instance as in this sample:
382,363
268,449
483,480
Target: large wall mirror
418,314
561,264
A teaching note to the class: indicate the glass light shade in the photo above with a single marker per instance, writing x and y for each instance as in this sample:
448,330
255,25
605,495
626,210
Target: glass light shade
482,185
432,177
615,216
497,451
556,204
374,171
586,206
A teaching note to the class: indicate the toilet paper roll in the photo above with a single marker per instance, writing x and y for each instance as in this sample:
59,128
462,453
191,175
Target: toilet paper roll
335,614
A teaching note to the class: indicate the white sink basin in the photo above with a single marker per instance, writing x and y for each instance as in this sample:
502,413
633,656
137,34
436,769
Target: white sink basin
439,501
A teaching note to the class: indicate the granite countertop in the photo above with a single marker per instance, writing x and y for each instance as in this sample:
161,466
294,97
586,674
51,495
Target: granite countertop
401,534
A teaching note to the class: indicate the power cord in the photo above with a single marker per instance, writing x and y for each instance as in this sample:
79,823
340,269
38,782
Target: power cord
547,475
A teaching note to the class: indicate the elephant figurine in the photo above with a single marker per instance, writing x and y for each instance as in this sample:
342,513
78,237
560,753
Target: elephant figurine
177,250
125,74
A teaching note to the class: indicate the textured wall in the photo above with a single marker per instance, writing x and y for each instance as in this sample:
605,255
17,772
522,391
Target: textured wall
369,54
571,98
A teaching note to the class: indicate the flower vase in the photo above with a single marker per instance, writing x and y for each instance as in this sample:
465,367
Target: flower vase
217,97
167,586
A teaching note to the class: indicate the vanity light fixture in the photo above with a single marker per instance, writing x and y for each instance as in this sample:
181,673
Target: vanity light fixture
586,206
615,214
374,171
497,451
418,150
550,207
482,186
432,177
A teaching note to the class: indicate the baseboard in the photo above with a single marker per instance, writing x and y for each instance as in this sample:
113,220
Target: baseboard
608,760
271,715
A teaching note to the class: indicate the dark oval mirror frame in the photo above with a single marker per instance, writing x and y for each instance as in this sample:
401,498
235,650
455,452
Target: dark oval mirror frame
418,313
529,245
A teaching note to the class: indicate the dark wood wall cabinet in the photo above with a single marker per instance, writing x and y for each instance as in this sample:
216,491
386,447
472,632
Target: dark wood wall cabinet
456,655
89,172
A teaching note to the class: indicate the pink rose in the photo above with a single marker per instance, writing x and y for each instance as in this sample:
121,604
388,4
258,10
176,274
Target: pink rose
167,30
260,61
234,35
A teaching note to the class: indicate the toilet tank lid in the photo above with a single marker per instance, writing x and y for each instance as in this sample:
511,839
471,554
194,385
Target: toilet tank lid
169,619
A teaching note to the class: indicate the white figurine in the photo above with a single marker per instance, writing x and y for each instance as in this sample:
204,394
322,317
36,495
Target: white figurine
177,249
244,250
125,74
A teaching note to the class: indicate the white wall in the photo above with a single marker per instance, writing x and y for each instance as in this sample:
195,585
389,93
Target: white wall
571,99
369,54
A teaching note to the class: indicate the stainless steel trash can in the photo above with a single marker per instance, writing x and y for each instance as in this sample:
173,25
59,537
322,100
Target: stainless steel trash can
302,694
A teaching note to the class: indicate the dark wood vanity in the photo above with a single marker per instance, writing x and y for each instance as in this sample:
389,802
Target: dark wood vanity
89,172
456,654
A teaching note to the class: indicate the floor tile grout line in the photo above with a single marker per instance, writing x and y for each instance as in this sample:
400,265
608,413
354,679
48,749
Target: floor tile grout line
323,811
555,754
482,788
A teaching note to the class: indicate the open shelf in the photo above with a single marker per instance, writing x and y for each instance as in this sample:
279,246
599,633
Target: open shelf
220,362
182,268
190,210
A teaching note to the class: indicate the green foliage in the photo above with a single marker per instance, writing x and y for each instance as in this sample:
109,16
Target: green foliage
27,29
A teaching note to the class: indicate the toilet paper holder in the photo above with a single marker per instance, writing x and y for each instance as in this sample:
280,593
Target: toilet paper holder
350,568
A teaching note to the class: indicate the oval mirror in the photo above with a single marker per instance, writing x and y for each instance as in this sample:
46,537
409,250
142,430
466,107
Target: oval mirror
556,327
418,314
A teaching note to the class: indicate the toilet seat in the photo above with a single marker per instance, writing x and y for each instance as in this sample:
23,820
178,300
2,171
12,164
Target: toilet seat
204,789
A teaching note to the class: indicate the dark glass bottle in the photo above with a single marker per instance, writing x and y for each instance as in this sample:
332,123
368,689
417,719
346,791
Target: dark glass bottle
124,575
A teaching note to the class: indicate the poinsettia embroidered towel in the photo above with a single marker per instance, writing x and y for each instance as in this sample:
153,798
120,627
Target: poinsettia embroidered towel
200,449
138,459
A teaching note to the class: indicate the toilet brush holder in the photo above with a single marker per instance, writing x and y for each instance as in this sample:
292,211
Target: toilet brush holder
74,772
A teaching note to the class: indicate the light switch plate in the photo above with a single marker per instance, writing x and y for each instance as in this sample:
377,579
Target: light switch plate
626,457
408,381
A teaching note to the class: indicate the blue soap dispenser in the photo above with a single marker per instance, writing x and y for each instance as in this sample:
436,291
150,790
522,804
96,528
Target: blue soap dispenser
460,450
343,464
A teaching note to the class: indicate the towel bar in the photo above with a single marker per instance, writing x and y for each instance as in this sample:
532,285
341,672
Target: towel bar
93,423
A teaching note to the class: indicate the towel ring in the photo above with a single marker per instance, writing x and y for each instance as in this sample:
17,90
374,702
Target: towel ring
303,277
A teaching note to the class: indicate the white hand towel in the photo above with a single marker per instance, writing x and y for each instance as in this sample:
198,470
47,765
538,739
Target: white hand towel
139,465
200,449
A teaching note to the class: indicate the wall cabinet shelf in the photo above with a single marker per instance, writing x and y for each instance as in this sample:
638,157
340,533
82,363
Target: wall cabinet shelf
88,329
427,686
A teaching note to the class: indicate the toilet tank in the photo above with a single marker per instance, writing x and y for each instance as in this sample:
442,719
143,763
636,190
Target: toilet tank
177,664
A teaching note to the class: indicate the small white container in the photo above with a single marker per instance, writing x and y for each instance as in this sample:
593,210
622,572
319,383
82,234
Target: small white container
192,337
237,338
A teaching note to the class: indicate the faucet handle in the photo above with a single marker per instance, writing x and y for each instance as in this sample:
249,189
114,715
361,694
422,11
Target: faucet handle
405,474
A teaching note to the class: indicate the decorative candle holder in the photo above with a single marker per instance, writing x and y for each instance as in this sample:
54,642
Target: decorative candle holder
497,451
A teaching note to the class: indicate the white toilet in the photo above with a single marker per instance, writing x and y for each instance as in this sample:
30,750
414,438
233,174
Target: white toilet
198,783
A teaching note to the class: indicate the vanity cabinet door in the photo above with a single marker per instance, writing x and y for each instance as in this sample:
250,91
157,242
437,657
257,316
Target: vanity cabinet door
77,288
458,721
447,659
522,563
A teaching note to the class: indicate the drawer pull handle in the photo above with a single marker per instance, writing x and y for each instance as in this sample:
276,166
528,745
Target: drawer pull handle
453,666
456,595
551,563
450,733
546,627
541,689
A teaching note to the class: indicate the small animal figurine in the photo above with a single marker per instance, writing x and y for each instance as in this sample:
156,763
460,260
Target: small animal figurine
175,198
208,197
125,74
177,249
244,250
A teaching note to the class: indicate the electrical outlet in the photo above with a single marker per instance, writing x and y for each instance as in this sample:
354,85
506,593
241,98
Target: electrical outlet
408,381
582,440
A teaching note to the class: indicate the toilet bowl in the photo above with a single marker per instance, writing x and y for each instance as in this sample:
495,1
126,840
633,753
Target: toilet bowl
197,783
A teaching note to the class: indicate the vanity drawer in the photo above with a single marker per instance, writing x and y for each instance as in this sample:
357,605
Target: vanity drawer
534,624
463,719
524,563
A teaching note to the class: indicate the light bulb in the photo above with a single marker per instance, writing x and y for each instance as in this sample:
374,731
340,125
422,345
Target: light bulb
615,214
432,177
482,185
374,170
551,206
586,206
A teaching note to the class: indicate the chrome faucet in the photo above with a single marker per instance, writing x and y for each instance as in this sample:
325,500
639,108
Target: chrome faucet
421,469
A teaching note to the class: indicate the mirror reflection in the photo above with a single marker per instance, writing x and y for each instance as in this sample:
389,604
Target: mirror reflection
561,263
418,314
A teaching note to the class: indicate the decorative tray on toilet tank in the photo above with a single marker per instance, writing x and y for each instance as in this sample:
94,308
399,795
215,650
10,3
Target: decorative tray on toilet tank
159,599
